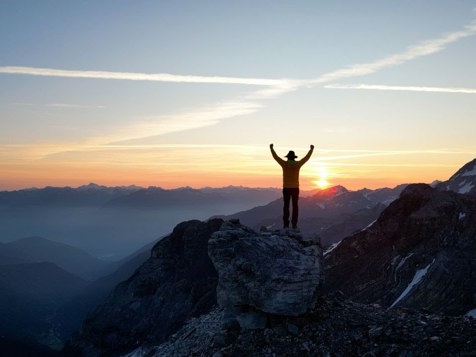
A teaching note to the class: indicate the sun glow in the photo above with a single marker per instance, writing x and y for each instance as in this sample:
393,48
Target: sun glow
323,174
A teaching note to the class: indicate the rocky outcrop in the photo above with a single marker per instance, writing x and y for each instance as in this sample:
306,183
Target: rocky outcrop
419,254
176,283
264,274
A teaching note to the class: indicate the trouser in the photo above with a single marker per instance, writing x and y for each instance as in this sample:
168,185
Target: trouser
290,194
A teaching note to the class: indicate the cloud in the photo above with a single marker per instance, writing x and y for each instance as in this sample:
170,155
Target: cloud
165,124
157,77
420,50
402,88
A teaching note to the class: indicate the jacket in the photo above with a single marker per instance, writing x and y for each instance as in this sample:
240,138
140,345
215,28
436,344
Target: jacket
291,169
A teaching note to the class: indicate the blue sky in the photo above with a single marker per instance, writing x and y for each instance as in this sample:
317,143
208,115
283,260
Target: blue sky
192,92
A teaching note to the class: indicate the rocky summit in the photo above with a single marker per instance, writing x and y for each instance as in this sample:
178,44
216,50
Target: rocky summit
264,274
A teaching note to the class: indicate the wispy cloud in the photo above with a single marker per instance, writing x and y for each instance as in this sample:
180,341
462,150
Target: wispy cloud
164,124
402,88
157,77
411,53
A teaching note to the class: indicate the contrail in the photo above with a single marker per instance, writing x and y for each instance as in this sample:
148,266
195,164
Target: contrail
402,88
157,77
420,50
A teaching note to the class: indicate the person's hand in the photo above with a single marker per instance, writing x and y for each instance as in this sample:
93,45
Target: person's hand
271,145
312,147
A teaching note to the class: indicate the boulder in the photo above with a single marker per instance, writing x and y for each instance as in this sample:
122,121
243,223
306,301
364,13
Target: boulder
264,274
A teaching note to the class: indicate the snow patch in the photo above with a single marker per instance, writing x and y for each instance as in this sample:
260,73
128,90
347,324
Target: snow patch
415,281
471,313
400,264
331,248
139,352
461,215
472,172
370,225
465,187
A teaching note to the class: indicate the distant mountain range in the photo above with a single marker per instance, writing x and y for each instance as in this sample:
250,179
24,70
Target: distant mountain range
38,250
333,213
112,222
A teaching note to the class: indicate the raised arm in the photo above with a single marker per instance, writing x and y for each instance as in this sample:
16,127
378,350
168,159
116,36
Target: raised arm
275,156
308,155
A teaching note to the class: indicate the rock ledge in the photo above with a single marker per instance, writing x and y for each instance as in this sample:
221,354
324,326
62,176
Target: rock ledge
264,274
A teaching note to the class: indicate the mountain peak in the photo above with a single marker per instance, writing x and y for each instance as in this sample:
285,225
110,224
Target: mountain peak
468,170
331,191
463,181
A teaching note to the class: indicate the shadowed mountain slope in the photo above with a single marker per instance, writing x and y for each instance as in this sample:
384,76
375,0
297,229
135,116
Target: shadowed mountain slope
420,253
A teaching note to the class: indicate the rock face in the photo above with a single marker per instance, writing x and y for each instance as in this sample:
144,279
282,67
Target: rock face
420,253
264,274
176,283
463,181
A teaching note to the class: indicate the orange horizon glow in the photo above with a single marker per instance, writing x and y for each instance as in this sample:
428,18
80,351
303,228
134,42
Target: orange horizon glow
123,176
200,166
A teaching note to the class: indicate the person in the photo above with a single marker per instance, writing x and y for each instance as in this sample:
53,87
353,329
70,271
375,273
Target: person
291,169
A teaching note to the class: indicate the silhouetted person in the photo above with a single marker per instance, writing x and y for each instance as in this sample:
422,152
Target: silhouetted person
291,169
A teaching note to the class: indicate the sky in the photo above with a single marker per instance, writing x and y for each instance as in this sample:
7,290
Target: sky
191,93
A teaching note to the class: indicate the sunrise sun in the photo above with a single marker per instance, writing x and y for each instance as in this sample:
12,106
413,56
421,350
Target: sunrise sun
323,174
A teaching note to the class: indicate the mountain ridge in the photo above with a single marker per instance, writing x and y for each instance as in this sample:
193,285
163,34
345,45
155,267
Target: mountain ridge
69,258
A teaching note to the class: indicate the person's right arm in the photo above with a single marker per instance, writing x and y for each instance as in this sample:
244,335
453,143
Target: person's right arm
275,156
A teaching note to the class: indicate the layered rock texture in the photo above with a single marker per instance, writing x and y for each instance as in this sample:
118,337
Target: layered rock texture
420,253
264,274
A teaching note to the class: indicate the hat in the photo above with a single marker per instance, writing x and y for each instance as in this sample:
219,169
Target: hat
291,155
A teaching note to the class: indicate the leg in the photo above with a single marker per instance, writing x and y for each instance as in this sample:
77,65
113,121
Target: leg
295,199
287,199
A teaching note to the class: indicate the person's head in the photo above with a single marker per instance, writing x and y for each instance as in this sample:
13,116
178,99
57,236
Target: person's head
291,155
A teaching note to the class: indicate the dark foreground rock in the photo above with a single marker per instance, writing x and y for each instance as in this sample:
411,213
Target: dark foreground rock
264,274
335,328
